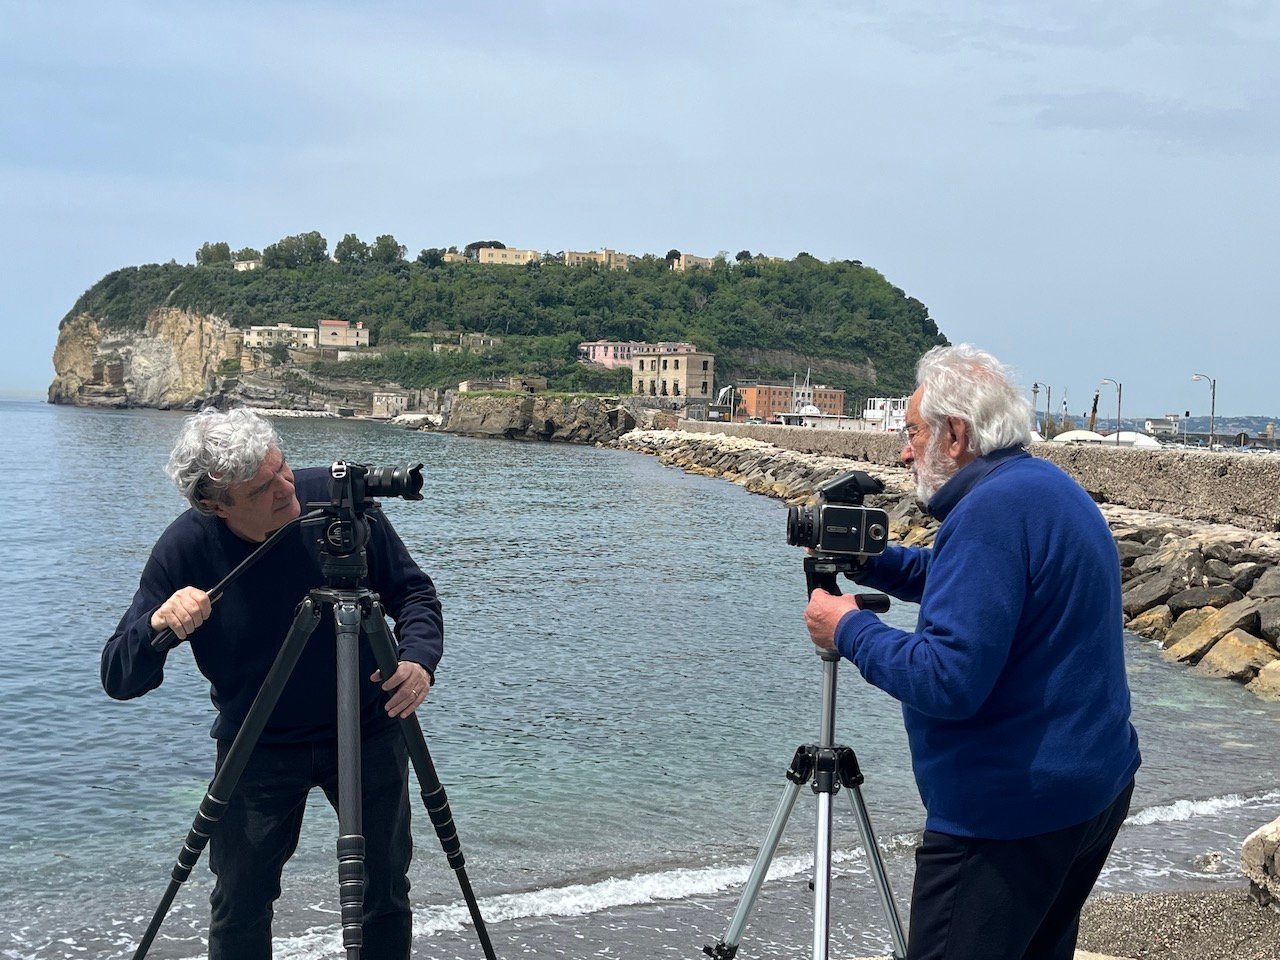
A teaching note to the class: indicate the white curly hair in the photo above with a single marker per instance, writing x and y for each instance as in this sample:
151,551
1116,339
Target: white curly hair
216,450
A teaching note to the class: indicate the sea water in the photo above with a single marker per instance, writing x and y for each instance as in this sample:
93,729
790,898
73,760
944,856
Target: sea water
626,678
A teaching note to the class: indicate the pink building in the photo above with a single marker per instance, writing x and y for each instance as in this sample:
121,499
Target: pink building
618,353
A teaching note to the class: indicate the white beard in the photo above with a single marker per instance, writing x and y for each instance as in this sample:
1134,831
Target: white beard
932,471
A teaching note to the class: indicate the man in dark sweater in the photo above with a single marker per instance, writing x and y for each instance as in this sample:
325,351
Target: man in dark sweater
232,471
1012,685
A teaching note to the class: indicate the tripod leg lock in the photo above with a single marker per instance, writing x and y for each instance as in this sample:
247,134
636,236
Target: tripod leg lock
847,769
720,951
802,764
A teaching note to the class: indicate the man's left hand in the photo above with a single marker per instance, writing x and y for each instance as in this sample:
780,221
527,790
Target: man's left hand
823,614
407,687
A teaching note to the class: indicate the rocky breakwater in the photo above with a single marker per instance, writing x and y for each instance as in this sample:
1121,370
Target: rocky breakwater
1208,593
571,419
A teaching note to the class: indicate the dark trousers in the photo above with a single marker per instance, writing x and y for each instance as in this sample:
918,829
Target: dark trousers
259,832
1008,899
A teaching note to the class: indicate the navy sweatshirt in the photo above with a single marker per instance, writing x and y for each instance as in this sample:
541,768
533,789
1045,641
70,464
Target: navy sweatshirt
1013,684
235,647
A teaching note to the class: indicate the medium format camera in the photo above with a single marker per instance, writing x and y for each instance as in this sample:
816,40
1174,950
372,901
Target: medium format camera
838,522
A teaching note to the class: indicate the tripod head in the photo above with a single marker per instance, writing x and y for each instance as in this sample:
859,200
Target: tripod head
351,489
822,570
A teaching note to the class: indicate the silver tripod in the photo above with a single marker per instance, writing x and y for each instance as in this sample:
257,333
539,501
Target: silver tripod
829,767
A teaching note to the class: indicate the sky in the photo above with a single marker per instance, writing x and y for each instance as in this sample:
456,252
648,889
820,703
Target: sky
1088,190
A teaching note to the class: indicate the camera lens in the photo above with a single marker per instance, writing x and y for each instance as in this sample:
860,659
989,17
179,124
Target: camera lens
405,481
800,532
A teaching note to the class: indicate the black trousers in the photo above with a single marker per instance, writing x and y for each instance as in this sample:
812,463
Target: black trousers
260,829
979,899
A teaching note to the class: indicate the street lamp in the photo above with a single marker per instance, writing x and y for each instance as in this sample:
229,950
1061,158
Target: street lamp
1213,399
1119,393
1048,404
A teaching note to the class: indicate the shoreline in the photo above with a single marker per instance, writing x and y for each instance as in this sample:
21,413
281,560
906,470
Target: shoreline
1179,925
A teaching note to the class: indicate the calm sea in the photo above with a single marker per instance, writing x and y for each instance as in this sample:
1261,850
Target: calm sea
625,680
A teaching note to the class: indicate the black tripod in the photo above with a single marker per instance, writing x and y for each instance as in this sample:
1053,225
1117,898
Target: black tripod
355,609
828,766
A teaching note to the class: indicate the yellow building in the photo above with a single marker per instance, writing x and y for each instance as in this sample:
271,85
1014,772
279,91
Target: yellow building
688,261
282,334
509,256
608,259
689,375
389,403
340,333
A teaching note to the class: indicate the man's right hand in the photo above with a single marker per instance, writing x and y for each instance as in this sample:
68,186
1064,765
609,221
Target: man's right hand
183,612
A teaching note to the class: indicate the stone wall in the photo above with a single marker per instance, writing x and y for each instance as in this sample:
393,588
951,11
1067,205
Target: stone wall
1239,489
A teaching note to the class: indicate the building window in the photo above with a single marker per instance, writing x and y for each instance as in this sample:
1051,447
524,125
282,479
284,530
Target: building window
704,365
677,363
704,388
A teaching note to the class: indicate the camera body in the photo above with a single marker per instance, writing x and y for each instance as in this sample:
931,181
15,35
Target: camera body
838,523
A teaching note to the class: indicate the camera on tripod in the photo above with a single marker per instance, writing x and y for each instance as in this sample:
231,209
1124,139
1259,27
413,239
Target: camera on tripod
358,483
839,523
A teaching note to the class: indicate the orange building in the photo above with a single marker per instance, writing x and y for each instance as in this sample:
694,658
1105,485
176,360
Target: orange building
767,400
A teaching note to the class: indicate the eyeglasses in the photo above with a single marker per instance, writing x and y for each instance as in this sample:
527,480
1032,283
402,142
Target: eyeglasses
909,433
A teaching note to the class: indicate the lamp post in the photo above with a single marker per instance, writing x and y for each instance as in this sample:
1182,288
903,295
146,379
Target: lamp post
1048,405
1119,392
1213,399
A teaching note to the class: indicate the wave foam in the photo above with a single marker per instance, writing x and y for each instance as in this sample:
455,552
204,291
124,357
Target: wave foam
580,899
1181,810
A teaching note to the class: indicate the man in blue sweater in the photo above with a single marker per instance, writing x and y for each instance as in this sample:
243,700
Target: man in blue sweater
1012,685
232,471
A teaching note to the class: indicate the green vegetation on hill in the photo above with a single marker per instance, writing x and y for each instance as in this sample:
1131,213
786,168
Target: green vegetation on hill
764,319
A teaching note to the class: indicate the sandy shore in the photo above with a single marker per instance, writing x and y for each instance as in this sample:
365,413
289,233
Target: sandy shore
1211,925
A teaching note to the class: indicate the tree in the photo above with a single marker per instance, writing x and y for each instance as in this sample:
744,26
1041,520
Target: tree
394,330
296,251
672,256
245,254
742,256
386,249
470,250
211,253
351,249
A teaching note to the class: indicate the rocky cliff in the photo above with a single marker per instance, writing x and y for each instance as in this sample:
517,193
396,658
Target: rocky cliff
533,417
172,362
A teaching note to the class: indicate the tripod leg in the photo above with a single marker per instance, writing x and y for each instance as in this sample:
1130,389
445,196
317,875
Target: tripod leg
346,618
433,796
224,782
728,946
868,837
822,878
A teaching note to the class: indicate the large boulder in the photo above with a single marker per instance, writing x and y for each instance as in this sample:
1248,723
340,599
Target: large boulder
1266,684
1184,626
1154,624
1237,656
1267,586
1195,598
1269,621
1141,596
1245,575
1241,615
1260,862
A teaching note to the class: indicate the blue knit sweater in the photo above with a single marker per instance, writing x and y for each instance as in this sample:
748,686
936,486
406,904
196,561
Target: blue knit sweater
235,647
1013,685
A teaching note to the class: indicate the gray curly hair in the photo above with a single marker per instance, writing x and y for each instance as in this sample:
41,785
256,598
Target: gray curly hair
972,385
217,450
